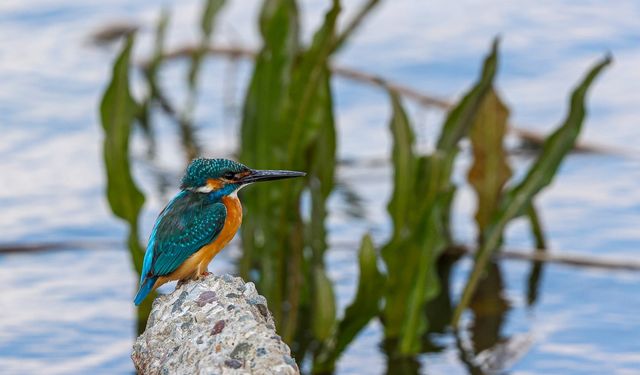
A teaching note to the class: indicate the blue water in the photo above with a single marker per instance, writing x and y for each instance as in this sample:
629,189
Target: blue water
70,311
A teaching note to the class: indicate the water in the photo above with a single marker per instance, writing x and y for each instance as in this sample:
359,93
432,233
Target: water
70,311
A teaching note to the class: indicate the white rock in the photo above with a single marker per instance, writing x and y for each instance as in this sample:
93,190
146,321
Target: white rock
216,325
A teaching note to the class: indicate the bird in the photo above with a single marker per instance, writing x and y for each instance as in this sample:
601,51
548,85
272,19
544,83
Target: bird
199,221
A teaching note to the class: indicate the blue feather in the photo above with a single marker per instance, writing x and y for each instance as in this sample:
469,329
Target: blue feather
189,222
149,254
145,289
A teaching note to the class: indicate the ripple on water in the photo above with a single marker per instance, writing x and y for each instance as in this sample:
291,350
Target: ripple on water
70,311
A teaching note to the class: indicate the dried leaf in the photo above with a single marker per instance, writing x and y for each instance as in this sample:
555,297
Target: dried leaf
490,170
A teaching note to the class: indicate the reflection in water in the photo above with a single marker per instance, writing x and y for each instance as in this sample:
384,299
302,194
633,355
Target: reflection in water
440,309
399,365
484,336
533,281
72,208
481,348
489,308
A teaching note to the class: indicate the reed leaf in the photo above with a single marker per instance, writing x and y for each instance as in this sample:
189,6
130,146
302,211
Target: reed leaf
365,306
312,147
399,275
354,23
324,313
419,206
461,117
159,47
537,232
207,23
540,175
308,76
151,77
404,167
264,139
289,123
490,170
118,111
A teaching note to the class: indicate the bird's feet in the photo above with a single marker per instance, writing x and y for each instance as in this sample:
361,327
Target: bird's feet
204,274
181,283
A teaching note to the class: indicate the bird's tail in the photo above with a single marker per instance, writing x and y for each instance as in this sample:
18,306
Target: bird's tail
145,288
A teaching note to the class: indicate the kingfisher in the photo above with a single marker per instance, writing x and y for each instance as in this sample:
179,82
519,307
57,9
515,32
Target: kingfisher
199,221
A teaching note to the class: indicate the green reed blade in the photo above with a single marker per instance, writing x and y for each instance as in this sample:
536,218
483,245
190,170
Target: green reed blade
118,111
540,175
364,307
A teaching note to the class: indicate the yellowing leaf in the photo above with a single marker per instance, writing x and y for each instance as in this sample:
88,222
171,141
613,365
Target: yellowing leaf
540,174
490,169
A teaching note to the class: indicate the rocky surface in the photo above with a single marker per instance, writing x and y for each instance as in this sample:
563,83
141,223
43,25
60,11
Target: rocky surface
216,325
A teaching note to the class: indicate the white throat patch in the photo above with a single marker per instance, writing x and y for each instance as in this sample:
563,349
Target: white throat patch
208,189
203,189
234,194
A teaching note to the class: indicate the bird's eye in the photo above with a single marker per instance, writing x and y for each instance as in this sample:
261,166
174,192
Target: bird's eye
228,175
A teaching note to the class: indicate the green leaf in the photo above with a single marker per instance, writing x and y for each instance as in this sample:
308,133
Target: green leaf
461,117
264,137
355,22
289,123
324,314
117,113
151,76
321,165
365,306
311,147
404,168
456,126
185,120
540,175
426,285
400,269
536,227
308,76
264,130
422,194
490,169
367,300
211,10
158,50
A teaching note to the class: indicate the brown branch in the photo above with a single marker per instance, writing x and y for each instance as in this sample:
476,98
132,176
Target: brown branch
233,52
563,257
37,247
560,257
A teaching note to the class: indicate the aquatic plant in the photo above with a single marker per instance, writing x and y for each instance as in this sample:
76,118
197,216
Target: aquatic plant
423,191
288,122
419,207
118,111
518,199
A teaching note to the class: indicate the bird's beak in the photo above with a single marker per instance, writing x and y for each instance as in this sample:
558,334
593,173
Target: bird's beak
258,175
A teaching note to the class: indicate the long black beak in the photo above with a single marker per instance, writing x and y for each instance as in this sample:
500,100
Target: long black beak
257,175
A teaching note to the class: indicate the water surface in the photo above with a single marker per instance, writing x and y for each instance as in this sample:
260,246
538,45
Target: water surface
70,311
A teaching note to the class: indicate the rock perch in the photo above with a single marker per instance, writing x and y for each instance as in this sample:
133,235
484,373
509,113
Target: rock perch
217,325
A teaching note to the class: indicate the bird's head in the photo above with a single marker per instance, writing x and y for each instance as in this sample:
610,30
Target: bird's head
225,177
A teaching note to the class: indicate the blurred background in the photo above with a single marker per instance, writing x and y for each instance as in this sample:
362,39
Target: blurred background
367,267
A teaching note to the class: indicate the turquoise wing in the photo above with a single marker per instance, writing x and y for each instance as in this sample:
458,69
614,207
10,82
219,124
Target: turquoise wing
189,222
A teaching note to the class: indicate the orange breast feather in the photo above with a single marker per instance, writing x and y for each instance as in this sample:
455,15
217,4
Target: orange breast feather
197,264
